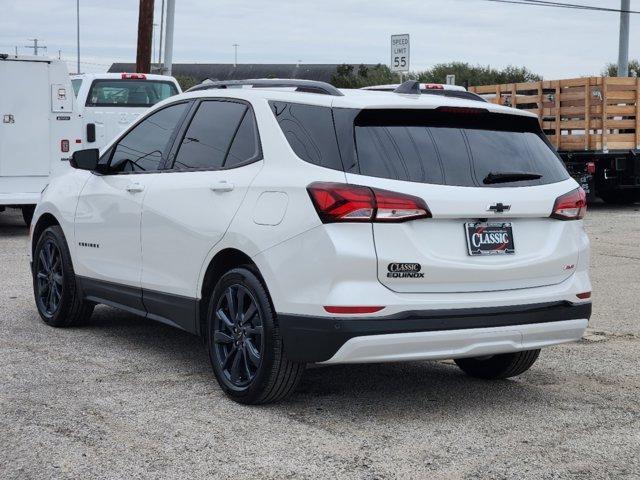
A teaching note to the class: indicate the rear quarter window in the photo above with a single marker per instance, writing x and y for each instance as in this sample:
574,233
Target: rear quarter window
310,132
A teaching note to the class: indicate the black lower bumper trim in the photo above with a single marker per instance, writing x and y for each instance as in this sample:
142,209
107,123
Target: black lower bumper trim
317,339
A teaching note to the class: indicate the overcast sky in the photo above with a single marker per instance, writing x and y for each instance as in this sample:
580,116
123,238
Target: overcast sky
553,42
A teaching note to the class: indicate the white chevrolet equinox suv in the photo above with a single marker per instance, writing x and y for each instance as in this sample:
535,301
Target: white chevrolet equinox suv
289,222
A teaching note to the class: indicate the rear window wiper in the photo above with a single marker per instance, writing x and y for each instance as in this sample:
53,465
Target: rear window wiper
505,177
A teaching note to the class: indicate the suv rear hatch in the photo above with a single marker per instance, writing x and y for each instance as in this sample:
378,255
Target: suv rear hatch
490,182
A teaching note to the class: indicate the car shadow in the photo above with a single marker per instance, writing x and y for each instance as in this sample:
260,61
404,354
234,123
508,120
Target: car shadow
391,390
12,224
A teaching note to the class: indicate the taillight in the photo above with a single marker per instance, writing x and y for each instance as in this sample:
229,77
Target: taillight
133,76
570,206
64,146
463,110
339,202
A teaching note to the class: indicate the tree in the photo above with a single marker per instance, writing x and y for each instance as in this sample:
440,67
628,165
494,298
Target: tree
186,81
476,74
611,69
347,77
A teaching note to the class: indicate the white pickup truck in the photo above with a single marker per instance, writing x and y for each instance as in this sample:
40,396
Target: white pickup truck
38,127
109,102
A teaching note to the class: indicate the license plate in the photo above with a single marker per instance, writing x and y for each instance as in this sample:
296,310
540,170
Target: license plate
489,238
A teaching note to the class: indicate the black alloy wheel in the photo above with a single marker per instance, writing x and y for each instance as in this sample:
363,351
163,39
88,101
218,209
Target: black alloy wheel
49,278
238,336
244,343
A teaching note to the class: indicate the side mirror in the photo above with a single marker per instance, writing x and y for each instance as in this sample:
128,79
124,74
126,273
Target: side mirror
85,159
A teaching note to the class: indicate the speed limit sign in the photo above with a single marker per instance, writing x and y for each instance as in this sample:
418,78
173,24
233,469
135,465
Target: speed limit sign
400,53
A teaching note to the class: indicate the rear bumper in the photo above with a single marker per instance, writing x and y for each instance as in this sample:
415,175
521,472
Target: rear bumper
432,334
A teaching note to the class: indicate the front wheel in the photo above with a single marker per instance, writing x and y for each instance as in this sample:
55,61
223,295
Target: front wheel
504,365
27,213
58,298
244,343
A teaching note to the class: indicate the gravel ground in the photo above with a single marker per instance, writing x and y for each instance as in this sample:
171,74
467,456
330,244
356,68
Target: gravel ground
129,398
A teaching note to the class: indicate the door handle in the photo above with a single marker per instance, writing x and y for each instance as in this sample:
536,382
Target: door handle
135,188
222,186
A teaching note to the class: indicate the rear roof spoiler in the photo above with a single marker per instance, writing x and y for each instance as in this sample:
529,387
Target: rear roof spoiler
308,86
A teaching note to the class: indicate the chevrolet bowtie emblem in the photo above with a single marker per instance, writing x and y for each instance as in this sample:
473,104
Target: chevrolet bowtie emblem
498,208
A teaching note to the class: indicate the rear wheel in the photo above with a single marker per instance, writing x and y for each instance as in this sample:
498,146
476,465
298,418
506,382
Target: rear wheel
27,213
244,342
58,298
504,365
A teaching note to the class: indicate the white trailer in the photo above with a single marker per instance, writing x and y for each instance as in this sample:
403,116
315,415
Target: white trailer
38,127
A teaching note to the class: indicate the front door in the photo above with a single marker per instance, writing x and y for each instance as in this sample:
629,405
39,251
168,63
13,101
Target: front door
107,225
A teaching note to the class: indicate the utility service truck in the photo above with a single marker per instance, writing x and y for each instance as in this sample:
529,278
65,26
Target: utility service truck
594,123
38,128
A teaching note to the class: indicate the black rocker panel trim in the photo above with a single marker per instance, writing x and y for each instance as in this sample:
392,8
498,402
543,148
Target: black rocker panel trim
175,310
317,339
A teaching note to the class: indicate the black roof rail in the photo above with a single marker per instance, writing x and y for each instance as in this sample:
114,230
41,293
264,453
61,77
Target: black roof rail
308,86
410,86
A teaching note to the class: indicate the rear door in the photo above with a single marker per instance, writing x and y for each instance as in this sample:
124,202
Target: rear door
445,158
25,107
113,104
189,208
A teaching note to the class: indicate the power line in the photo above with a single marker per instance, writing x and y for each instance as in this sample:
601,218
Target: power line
574,6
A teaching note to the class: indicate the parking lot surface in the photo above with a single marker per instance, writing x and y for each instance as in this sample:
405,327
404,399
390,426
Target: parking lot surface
129,398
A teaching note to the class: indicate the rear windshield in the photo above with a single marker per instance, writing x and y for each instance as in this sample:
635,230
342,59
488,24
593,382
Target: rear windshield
453,149
129,93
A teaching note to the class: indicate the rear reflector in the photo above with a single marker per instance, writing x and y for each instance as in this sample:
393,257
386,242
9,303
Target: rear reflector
583,295
339,202
64,146
134,76
333,309
570,206
591,168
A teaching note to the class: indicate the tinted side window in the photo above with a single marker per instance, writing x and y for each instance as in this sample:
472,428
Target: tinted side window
144,147
310,132
209,136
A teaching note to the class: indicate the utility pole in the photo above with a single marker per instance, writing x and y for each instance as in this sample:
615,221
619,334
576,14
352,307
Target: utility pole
78,33
145,32
623,48
168,46
235,54
160,43
35,46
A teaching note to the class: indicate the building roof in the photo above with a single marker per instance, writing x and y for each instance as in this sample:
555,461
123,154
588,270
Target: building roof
226,71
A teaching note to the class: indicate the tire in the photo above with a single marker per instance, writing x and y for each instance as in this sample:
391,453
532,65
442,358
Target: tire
619,198
500,366
52,266
27,213
245,348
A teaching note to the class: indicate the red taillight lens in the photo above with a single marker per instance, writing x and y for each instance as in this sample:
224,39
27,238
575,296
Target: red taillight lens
133,76
570,206
591,168
338,202
64,146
